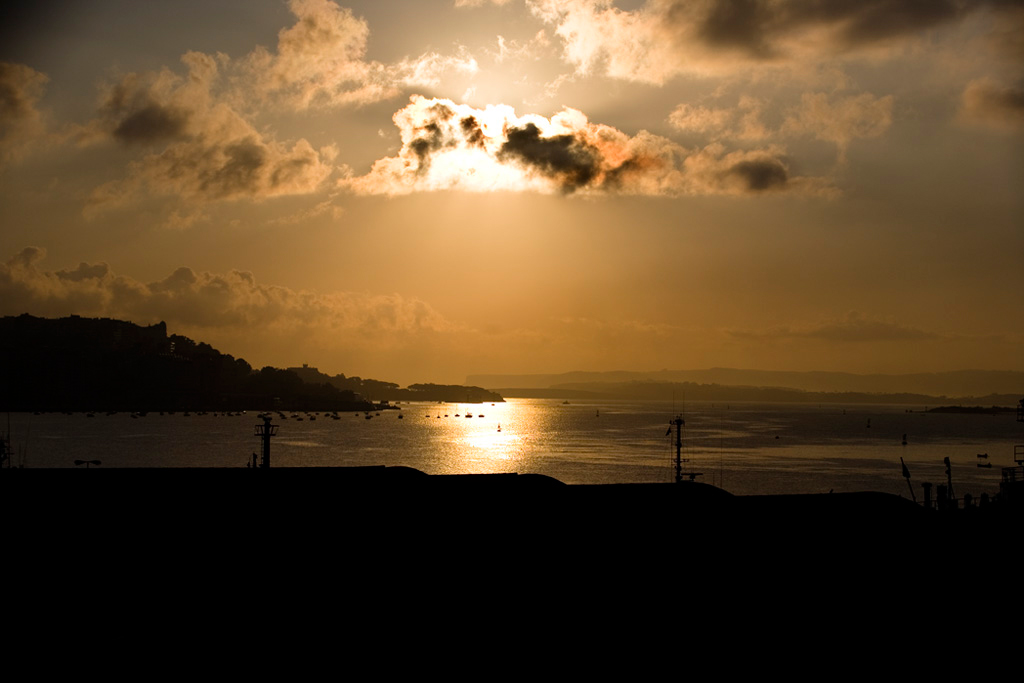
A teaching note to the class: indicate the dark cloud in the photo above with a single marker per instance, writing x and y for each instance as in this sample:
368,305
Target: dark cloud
867,22
1008,99
141,109
472,131
758,175
430,139
741,23
987,103
755,25
238,171
435,134
151,123
570,161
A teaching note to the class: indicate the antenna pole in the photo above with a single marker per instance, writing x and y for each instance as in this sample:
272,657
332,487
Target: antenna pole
680,475
265,431
678,423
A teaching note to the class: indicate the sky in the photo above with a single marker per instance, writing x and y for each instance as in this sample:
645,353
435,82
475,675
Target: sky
420,191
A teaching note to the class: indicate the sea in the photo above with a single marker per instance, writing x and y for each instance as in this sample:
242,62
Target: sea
744,448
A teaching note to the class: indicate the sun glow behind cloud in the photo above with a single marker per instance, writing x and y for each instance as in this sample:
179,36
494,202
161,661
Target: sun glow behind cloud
449,146
755,168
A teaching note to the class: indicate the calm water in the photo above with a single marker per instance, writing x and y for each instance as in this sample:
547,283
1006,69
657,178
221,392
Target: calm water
744,448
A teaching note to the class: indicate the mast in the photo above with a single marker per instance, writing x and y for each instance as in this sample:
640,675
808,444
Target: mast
265,431
678,424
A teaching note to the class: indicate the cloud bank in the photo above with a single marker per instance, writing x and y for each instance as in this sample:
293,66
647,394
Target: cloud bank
667,38
196,147
21,88
197,131
449,146
213,302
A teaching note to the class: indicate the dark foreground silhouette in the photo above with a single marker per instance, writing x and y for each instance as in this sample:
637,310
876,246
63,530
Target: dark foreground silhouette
377,545
369,499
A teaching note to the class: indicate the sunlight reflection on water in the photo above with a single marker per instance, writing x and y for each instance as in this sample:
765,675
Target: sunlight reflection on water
744,448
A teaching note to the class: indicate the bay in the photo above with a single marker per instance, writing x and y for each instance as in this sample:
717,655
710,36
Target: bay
743,448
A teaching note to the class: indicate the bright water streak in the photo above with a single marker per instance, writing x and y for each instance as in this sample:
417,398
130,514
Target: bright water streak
744,448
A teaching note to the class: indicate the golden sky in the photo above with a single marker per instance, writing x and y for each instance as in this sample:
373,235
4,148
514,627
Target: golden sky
421,190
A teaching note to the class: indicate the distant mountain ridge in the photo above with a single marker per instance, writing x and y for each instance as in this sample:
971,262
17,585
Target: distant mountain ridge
689,391
938,384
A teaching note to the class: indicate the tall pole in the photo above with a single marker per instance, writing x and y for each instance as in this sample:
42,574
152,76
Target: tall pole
949,478
679,422
266,430
680,475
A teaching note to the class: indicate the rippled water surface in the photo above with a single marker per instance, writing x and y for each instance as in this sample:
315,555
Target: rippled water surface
744,448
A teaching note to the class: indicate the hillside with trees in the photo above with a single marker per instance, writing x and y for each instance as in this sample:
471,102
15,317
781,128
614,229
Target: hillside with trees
90,364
